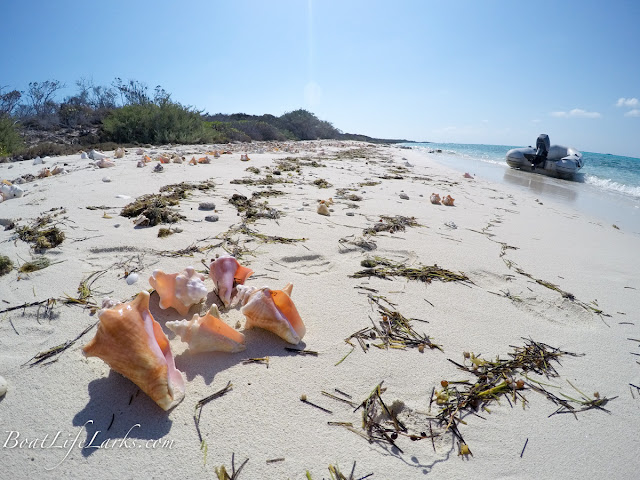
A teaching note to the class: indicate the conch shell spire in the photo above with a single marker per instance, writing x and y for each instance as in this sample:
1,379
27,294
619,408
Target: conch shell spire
179,290
133,344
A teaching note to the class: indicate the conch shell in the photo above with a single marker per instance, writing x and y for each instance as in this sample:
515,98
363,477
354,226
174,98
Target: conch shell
244,157
193,161
226,273
133,344
435,199
272,310
204,160
105,163
119,153
179,290
323,209
208,333
448,201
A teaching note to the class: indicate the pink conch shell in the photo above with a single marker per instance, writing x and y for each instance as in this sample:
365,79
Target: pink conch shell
466,175
179,290
105,163
323,209
448,201
435,199
274,310
226,273
133,344
208,333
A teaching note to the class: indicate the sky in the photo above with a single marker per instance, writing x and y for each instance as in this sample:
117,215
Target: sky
463,71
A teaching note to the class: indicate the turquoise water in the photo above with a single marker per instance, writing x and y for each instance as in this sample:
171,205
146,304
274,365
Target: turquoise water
611,173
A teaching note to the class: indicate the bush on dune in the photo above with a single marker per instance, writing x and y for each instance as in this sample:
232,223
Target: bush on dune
156,124
10,140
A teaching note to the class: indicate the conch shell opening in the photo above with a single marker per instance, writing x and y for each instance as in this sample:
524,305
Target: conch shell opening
274,310
133,344
227,273
208,333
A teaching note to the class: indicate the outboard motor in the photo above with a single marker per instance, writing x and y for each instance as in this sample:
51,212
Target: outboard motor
542,149
543,145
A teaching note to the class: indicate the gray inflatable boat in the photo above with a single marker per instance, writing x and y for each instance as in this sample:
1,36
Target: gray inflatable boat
546,159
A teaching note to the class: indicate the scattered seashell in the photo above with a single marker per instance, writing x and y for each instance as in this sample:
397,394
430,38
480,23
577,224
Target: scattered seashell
162,159
466,175
119,153
207,206
244,157
94,155
83,155
227,273
179,290
205,160
193,161
208,333
4,386
448,201
132,278
212,218
146,159
158,168
106,179
435,198
37,161
141,221
133,344
105,163
404,196
176,159
216,154
139,151
274,310
45,172
123,196
58,170
141,164
9,191
323,209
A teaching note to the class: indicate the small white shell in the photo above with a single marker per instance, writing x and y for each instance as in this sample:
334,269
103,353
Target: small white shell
132,278
93,155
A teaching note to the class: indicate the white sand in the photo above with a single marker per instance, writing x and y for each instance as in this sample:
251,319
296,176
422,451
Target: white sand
262,417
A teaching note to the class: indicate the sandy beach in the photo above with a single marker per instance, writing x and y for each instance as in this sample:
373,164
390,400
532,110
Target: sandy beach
527,270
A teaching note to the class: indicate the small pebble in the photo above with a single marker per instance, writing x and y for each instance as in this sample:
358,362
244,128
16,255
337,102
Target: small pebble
132,278
3,387
212,218
350,214
158,168
404,196
305,204
207,206
117,225
106,179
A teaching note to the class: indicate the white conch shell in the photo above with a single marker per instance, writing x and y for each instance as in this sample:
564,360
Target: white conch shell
133,344
227,273
119,153
93,155
179,290
435,199
208,333
323,209
10,191
105,163
274,310
83,155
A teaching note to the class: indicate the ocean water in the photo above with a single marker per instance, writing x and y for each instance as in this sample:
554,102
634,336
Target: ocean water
611,173
607,185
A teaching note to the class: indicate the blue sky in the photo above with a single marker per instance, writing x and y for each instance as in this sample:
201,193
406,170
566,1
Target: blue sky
495,72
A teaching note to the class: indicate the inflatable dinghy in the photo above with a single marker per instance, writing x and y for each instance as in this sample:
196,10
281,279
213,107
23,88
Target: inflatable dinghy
553,160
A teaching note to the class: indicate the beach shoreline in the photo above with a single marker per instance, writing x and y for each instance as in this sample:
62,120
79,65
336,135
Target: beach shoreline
538,269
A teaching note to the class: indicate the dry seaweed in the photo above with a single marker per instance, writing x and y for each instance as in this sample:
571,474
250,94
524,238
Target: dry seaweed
6,265
40,234
38,263
156,207
41,357
165,232
252,210
384,268
391,225
221,472
267,180
321,183
202,403
369,184
366,245
336,474
393,330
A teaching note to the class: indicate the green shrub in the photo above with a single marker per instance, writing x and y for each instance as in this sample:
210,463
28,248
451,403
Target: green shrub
156,124
10,140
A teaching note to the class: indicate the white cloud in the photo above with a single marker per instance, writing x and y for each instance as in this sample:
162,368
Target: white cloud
576,113
633,113
627,102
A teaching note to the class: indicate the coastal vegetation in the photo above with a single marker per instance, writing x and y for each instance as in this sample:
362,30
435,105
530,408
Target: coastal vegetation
39,121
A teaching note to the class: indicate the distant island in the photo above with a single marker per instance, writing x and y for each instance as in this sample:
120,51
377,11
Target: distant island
33,123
